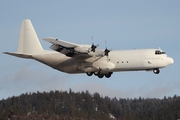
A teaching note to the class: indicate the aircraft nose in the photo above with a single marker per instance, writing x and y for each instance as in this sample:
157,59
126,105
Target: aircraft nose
171,61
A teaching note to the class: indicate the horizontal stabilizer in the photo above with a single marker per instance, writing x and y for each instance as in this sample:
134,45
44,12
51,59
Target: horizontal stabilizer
19,55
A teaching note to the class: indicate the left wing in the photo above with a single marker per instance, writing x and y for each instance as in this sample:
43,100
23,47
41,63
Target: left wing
69,49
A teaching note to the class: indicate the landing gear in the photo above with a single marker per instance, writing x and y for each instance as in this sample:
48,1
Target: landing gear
100,76
156,71
108,75
89,73
96,73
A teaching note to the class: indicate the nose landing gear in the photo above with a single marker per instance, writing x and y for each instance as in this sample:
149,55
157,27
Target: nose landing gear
156,71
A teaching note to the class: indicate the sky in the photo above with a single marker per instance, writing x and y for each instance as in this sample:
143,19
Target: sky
123,24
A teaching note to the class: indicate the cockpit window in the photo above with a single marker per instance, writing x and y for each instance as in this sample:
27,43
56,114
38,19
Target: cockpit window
158,52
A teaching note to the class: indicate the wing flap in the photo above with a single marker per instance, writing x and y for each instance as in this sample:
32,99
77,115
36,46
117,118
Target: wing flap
64,47
70,52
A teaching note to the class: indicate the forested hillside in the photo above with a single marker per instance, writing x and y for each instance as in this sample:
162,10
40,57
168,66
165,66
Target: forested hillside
68,105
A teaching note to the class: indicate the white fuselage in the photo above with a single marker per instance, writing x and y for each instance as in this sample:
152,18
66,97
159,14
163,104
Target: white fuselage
120,60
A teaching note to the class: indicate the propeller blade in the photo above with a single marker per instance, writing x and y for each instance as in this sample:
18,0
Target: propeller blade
93,47
106,52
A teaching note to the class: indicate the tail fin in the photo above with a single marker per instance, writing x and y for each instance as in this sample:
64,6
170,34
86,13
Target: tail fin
28,41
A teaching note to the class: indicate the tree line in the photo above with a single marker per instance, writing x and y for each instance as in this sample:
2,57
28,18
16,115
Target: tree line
65,105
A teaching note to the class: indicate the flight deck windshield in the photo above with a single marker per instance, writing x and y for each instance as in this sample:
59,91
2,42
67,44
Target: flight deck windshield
158,52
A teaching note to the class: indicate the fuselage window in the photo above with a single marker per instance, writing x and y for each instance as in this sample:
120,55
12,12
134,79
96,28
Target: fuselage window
157,52
163,53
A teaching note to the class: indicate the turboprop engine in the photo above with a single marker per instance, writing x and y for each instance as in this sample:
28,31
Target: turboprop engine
90,49
83,48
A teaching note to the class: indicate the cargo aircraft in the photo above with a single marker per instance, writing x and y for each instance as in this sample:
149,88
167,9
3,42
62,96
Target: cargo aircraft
79,58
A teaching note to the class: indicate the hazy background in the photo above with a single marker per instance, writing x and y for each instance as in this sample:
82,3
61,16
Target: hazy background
123,24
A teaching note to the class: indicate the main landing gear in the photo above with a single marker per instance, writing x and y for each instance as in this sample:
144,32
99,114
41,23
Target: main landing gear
156,71
108,75
89,73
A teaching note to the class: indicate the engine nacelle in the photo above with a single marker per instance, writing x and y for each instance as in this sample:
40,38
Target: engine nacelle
90,69
104,65
83,48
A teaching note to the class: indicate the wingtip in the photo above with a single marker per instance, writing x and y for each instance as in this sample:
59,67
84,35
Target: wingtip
48,38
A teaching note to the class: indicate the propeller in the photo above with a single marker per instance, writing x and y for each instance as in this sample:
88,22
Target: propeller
106,51
93,47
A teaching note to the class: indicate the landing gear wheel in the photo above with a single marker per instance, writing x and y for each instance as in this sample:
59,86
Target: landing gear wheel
96,73
89,73
100,76
108,75
156,71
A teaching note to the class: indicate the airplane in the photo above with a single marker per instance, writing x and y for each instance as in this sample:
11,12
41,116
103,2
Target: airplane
78,58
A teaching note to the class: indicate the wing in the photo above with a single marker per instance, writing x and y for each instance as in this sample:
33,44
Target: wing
60,42
67,48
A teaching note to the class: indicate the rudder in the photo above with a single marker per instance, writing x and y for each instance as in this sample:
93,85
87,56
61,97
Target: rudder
28,40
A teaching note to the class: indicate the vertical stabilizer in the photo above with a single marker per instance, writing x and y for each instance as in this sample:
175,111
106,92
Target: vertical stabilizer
28,40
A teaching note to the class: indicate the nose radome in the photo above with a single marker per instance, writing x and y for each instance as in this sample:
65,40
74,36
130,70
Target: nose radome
171,60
